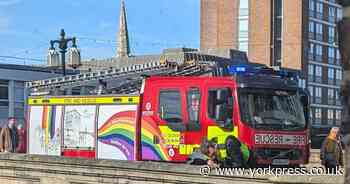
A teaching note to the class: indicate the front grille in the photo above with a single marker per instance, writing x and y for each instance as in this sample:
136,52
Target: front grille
271,153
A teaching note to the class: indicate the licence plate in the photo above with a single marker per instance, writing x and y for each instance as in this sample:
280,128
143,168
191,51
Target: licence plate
280,162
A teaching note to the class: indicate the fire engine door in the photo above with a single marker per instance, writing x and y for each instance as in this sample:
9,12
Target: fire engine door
172,126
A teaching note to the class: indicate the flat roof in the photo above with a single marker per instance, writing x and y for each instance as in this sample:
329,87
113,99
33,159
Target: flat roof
34,68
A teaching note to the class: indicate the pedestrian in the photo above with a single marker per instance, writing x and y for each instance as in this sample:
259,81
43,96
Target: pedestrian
234,154
331,153
9,137
206,155
22,140
212,154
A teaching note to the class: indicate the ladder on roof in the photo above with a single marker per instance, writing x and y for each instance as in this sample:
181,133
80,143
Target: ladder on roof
125,80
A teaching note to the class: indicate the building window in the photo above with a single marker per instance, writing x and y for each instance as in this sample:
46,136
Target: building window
330,115
331,14
318,74
4,90
311,51
243,35
311,73
243,46
339,14
277,32
312,8
331,54
338,57
319,31
331,76
331,96
243,8
312,30
338,77
277,53
4,93
338,117
318,115
337,97
318,95
319,52
331,34
243,30
319,10
278,7
311,92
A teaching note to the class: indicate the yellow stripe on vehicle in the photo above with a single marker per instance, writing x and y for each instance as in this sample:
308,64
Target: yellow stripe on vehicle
170,137
83,100
187,149
221,135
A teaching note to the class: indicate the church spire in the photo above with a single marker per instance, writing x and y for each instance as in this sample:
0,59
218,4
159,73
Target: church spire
123,37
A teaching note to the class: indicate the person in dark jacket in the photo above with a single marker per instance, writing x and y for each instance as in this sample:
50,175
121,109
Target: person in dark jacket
234,154
331,151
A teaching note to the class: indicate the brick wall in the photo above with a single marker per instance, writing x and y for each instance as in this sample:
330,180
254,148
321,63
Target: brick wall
219,24
260,32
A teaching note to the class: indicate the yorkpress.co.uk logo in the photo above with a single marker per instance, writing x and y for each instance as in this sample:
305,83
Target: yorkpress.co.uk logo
205,170
270,171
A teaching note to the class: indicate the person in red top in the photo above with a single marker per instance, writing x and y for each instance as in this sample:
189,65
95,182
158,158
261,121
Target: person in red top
21,148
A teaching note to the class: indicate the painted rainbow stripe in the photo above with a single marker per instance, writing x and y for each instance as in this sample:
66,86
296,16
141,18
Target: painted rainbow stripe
151,151
48,122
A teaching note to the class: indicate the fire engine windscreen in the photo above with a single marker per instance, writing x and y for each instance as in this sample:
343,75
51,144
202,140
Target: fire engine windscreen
271,110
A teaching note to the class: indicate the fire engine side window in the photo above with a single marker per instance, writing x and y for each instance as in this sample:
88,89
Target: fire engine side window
170,109
193,108
220,106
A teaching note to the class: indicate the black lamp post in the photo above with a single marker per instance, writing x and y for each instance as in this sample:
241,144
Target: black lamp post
63,45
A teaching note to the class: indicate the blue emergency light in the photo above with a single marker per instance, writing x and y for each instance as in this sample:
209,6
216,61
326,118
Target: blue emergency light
247,69
236,69
240,69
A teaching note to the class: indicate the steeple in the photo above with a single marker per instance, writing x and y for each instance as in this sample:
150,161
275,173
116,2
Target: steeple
123,37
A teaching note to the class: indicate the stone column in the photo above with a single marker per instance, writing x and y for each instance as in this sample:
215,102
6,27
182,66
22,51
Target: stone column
12,98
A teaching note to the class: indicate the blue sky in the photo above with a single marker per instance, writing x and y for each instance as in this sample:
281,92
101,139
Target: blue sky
26,26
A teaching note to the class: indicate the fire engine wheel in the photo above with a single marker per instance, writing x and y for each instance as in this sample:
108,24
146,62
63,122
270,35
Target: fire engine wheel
252,160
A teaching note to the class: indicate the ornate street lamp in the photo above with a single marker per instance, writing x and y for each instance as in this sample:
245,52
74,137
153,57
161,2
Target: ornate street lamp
74,52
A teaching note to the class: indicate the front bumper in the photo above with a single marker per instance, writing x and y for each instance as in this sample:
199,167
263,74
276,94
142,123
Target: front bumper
266,156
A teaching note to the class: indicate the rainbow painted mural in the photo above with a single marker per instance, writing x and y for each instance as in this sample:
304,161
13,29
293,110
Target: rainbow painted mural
119,131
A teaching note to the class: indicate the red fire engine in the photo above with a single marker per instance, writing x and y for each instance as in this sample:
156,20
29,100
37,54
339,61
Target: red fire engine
265,111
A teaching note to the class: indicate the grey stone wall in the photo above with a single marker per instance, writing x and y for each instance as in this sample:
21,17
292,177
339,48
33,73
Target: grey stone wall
35,169
30,169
